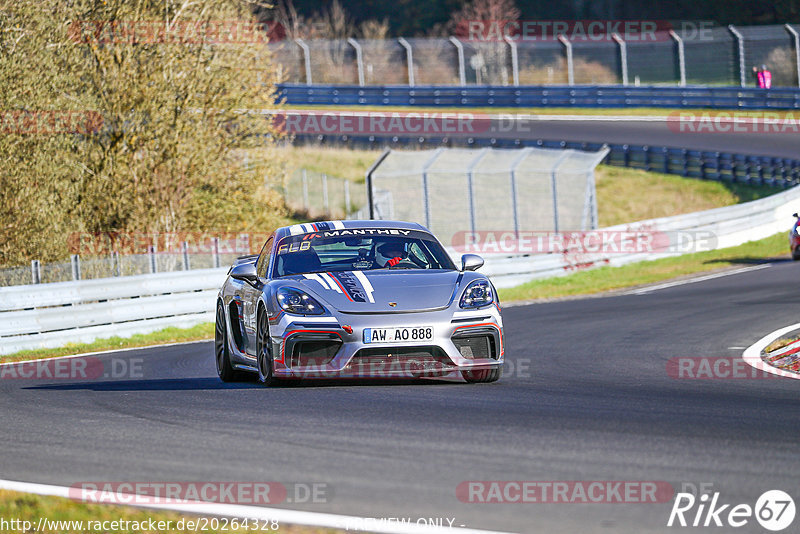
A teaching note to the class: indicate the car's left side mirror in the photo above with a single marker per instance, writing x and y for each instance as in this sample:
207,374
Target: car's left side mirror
245,272
471,262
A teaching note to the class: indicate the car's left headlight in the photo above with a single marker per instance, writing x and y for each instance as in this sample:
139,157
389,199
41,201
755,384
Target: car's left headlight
293,300
478,293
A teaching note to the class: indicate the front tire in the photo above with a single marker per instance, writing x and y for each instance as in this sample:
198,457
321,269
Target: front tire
483,375
222,354
796,254
263,352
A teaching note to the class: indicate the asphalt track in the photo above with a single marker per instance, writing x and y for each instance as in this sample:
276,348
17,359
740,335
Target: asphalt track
656,133
596,404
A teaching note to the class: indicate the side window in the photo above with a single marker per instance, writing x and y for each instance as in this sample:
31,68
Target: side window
263,259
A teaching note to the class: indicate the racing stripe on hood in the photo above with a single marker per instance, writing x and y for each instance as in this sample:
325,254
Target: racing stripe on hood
351,285
368,289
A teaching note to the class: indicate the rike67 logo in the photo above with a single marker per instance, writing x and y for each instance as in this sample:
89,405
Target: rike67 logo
774,510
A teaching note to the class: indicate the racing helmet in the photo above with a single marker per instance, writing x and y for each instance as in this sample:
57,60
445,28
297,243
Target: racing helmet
389,249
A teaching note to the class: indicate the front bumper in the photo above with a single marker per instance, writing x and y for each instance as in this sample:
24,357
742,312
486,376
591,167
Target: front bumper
334,347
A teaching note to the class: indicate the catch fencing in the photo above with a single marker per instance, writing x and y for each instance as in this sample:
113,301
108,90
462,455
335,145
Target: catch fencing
685,55
316,195
453,190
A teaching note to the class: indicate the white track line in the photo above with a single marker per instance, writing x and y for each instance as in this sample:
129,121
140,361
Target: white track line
752,355
676,283
282,516
110,351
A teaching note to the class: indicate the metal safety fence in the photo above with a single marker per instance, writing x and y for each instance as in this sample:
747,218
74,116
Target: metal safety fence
685,55
454,190
317,195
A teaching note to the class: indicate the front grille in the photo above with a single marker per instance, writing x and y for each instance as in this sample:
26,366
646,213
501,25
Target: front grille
476,343
378,360
314,353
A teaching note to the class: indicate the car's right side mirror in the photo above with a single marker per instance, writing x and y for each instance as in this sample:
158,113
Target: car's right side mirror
795,215
471,262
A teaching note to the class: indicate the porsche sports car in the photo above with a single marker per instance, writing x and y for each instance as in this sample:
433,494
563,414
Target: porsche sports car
351,299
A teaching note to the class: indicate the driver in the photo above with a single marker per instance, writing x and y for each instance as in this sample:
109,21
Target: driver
390,253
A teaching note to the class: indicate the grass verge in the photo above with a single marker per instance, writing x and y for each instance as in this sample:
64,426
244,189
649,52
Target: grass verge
91,517
160,337
610,278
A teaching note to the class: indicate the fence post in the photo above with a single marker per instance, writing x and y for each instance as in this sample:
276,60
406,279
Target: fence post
796,42
681,56
75,260
305,190
215,250
425,191
115,267
325,205
359,60
623,56
570,62
462,71
36,272
409,59
514,200
740,41
151,252
514,60
185,250
346,198
368,182
306,59
554,186
471,186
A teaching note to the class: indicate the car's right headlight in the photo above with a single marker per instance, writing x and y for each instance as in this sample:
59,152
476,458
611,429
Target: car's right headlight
478,293
293,300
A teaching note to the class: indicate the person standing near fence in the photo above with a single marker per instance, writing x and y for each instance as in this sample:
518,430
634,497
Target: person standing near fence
764,78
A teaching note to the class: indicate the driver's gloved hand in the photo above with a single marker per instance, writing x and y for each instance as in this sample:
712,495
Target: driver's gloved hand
394,261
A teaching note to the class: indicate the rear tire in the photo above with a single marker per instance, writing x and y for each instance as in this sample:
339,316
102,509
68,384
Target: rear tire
483,375
222,354
796,254
263,352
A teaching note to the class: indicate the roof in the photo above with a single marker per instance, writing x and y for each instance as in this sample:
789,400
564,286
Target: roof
306,228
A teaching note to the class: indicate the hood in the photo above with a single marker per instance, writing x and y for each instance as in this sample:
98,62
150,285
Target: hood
372,291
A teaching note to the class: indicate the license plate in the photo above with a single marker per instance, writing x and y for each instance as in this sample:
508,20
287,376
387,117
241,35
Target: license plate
395,335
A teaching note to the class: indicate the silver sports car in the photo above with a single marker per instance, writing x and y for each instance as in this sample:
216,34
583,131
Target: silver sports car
346,299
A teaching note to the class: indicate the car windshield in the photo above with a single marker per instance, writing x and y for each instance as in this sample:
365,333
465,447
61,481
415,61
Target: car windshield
362,249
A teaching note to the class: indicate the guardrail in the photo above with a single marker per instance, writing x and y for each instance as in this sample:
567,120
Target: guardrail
39,316
706,165
591,96
51,315
729,226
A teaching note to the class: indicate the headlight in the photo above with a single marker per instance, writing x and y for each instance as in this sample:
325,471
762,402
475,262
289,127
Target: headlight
478,293
295,301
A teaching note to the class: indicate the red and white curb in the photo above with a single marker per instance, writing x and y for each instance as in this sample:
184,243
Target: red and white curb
752,355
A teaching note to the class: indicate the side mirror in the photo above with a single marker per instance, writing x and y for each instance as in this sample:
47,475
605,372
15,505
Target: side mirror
471,262
795,215
245,272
